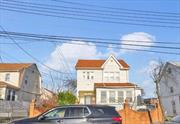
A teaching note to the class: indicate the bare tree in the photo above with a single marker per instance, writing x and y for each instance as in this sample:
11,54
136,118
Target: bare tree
156,75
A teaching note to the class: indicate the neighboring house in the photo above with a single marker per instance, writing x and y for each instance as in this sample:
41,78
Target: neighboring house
47,94
170,88
19,81
105,82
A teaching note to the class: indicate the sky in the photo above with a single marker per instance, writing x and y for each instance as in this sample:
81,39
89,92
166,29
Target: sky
141,63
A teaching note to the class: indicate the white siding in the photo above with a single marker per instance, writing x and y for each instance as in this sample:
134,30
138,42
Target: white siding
14,78
111,66
170,81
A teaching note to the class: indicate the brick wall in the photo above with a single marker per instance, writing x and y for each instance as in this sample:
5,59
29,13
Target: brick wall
130,116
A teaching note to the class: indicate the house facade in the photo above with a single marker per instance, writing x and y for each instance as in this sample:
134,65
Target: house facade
105,82
19,81
170,88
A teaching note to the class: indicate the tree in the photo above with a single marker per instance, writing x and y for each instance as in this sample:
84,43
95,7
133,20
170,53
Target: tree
66,98
156,75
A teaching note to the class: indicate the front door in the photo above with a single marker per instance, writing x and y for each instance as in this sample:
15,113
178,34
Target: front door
87,99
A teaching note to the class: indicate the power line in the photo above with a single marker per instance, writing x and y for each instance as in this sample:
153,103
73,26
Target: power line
31,11
82,10
123,9
54,39
28,52
102,45
43,36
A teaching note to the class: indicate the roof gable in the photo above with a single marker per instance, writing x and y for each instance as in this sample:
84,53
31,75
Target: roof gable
110,58
14,66
97,64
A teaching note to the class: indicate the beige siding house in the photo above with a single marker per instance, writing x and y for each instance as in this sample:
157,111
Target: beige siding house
105,82
19,81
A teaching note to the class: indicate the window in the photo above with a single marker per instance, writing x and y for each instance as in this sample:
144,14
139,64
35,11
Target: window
117,76
103,96
129,96
77,112
88,75
57,113
106,77
26,82
8,94
169,71
111,76
120,96
84,75
174,107
7,77
171,90
92,75
111,96
13,95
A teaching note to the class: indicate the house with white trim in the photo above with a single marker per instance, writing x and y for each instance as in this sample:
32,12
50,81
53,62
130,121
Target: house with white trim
19,82
106,82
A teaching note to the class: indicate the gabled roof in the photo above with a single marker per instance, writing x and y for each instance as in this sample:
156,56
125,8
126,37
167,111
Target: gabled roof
96,63
113,85
13,66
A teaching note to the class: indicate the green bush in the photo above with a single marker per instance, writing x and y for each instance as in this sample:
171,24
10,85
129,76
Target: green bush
66,98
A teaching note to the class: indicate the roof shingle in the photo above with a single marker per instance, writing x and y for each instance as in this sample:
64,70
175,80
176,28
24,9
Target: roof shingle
13,66
96,63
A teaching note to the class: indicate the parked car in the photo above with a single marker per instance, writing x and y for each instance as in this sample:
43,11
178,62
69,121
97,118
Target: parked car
175,120
76,114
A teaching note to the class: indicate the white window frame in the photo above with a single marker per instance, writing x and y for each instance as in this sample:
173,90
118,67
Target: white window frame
7,77
103,100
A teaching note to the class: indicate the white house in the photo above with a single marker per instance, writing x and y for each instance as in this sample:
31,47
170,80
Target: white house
170,88
19,81
105,82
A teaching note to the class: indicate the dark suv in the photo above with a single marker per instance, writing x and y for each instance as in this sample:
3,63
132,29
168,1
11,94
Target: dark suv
76,114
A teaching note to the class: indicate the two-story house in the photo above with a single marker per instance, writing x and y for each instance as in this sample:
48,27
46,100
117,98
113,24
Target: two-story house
170,88
19,81
105,82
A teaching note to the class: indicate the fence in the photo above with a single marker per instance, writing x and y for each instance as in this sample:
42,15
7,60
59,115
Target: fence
10,110
130,116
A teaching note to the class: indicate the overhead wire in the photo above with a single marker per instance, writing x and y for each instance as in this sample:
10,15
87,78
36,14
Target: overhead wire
81,38
75,17
117,9
34,58
77,42
80,11
98,40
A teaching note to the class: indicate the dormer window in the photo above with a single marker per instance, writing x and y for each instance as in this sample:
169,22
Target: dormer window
7,77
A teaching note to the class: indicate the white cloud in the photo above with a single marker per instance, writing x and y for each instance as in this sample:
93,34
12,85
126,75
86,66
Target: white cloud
149,68
136,38
66,55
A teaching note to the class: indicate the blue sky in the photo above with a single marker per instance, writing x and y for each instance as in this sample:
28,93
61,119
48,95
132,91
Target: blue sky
139,61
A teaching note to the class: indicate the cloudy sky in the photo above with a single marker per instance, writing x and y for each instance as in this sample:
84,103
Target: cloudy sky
63,56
